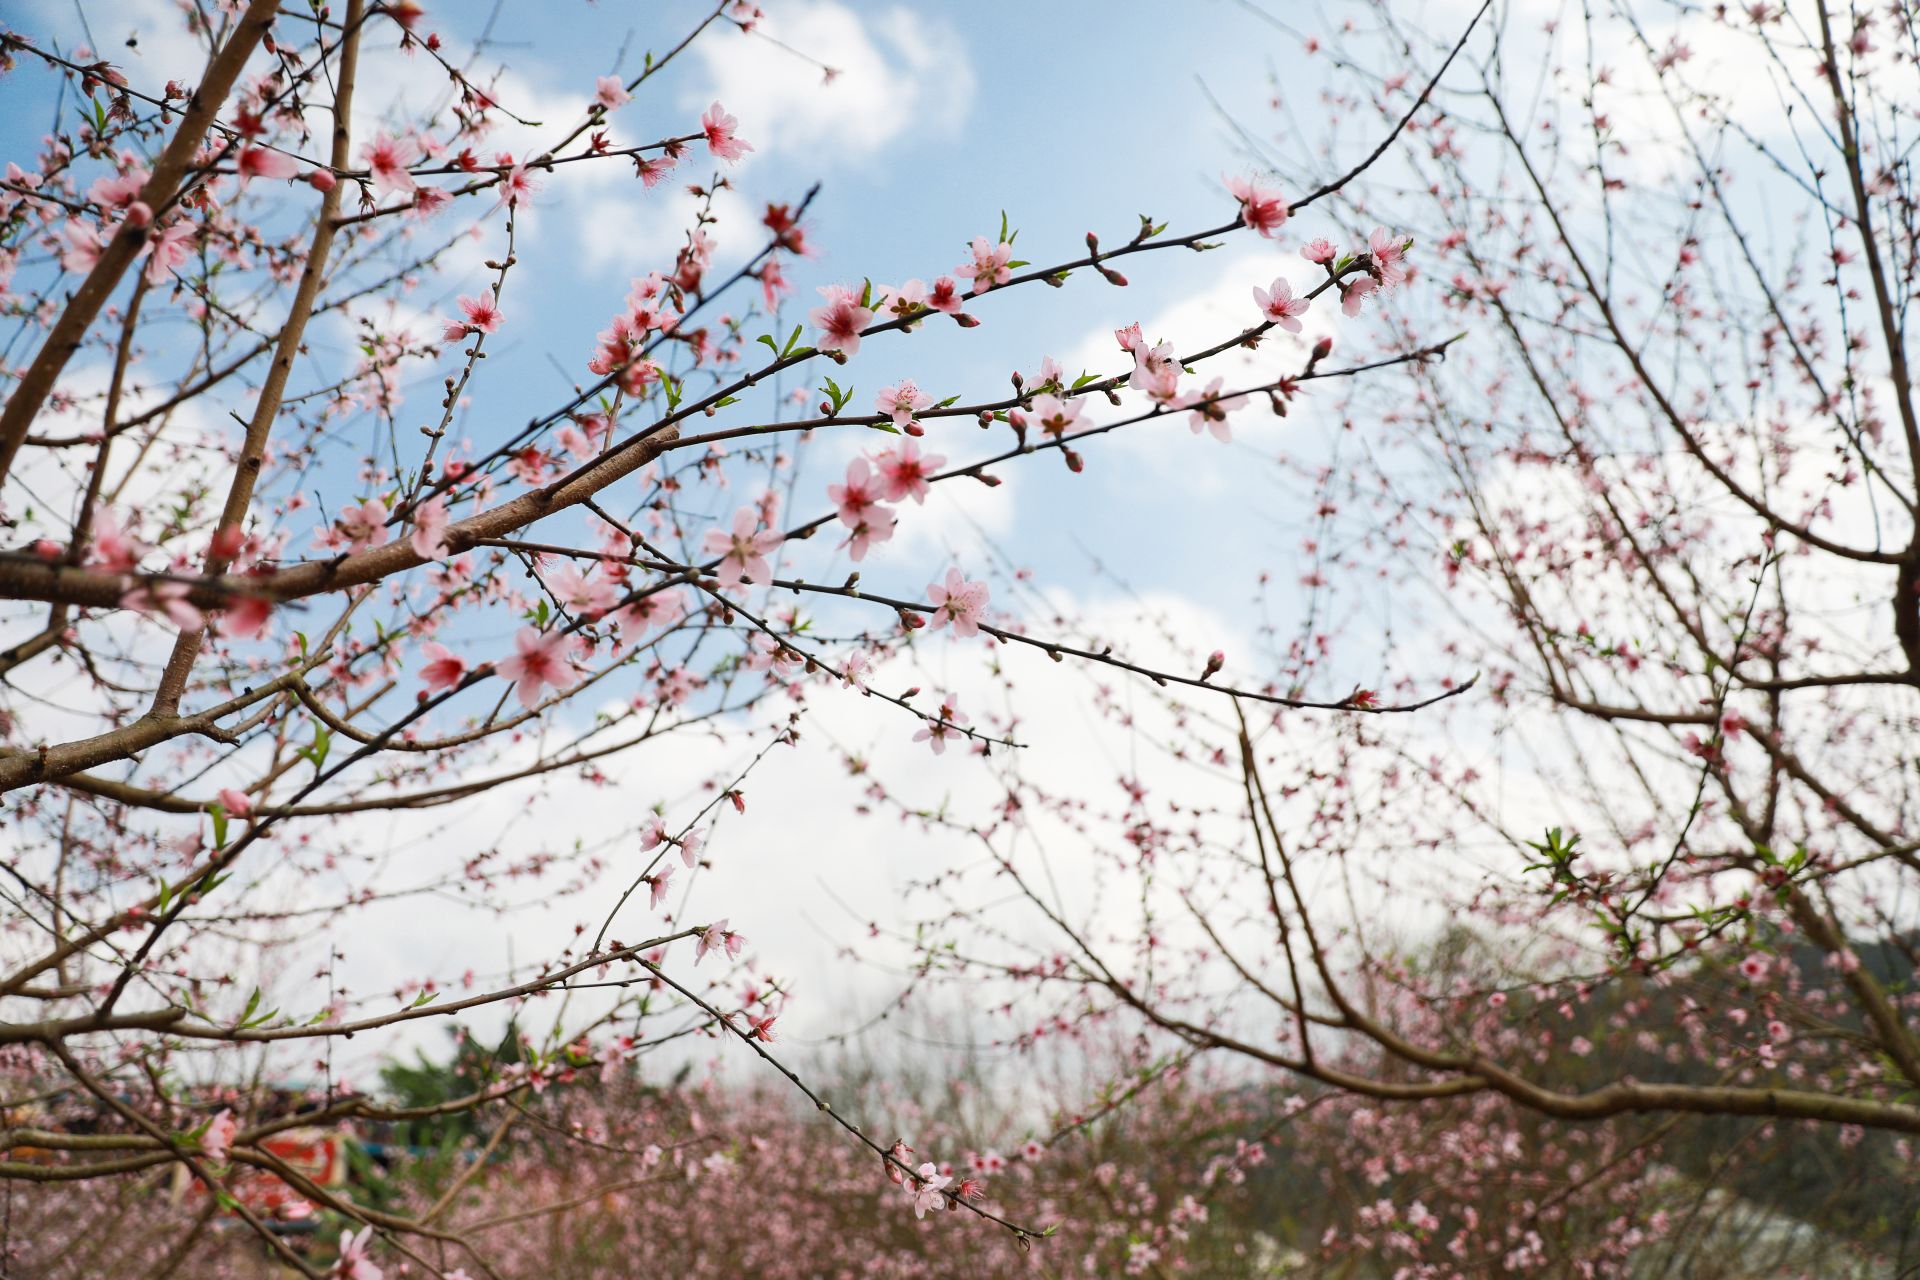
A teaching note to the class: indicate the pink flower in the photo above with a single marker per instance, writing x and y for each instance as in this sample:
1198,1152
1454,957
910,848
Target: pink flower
1277,304
387,159
1389,257
220,1132
1033,1150
902,402
661,609
653,172
442,670
1354,292
365,525
83,247
1130,338
517,187
719,128
907,300
958,601
946,724
1054,416
861,491
263,162
539,659
1319,252
482,316
580,595
860,509
1049,376
245,617
840,321
743,552
113,547
1156,371
1210,411
429,537
237,803
945,296
717,937
354,1263
659,882
611,93
690,846
876,525
167,249
165,599
120,190
926,1193
1261,208
1755,967
904,471
989,266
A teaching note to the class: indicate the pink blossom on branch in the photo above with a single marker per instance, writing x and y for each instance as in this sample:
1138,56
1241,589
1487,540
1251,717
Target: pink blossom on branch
958,601
991,264
429,536
720,130
218,1138
264,162
442,669
611,93
948,722
1261,208
841,321
743,549
904,471
1389,254
539,659
902,402
354,1264
482,315
168,248
717,937
925,1192
1278,305
1210,410
389,161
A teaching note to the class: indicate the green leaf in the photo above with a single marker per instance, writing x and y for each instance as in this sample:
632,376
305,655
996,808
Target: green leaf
219,814
322,744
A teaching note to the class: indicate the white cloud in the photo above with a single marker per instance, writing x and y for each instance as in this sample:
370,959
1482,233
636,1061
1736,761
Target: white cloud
894,72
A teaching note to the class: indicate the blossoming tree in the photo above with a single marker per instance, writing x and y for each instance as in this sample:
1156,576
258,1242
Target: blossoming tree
258,599
1662,498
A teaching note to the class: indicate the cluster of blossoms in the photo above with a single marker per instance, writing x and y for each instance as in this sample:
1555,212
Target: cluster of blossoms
845,315
653,308
891,476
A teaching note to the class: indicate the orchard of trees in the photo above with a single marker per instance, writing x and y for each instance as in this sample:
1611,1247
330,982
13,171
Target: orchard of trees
586,690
